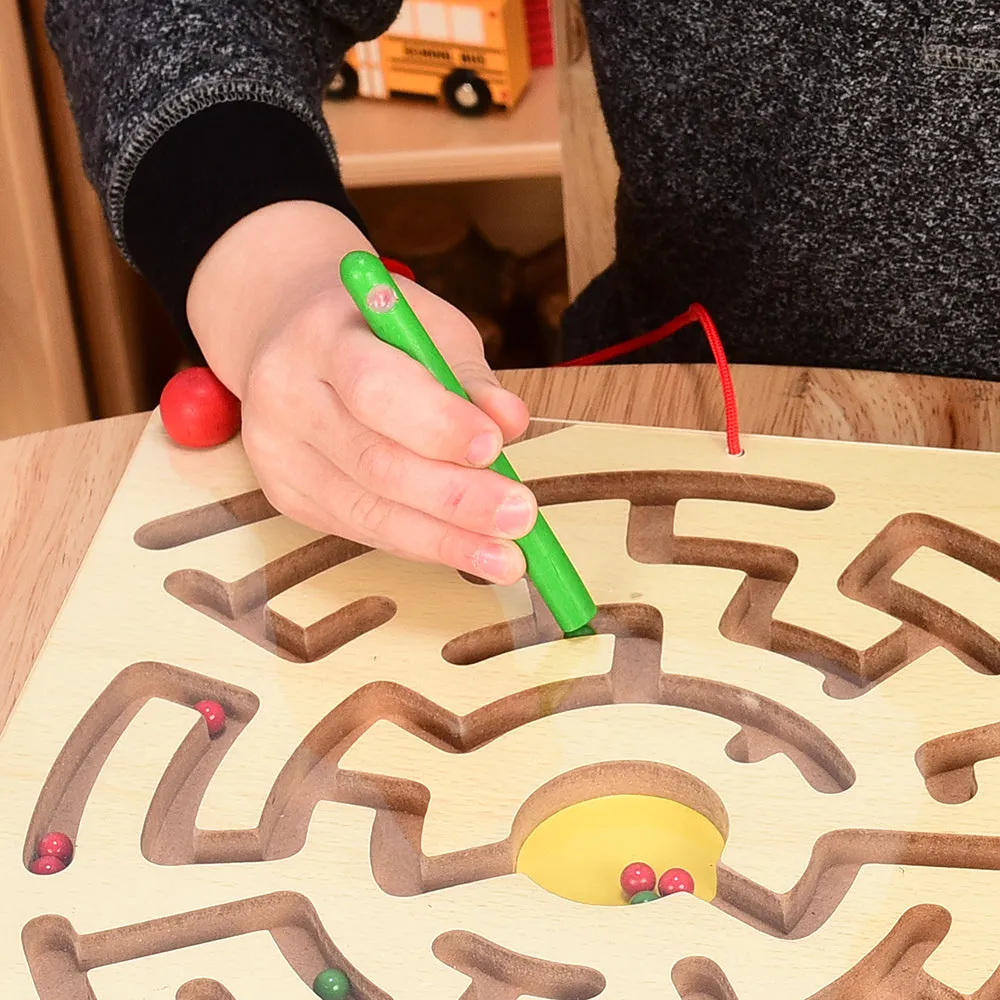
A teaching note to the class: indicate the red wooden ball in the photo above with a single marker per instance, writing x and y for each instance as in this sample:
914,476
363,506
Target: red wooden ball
56,845
46,866
637,877
214,714
675,880
197,410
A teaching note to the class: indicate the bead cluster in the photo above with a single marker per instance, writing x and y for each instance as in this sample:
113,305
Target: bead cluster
640,884
53,853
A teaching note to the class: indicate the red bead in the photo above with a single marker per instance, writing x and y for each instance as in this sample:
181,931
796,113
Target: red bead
215,716
56,845
46,866
637,877
197,410
675,880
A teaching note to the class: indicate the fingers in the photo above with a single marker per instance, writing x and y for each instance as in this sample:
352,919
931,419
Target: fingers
397,397
462,347
312,491
477,500
506,409
350,436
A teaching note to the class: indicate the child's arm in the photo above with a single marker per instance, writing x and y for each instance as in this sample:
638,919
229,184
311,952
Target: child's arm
202,130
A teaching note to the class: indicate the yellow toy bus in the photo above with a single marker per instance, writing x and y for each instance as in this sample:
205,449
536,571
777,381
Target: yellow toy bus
472,54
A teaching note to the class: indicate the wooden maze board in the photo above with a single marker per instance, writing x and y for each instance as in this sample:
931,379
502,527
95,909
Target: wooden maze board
799,646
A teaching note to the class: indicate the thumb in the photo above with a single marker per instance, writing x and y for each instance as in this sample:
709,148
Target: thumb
461,345
505,408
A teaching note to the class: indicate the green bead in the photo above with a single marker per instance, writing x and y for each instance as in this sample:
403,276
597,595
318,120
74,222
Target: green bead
332,984
646,896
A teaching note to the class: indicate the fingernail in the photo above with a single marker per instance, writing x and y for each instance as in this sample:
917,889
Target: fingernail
492,563
484,448
515,516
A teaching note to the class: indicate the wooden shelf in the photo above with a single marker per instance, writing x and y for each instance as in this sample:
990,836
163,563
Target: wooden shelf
403,141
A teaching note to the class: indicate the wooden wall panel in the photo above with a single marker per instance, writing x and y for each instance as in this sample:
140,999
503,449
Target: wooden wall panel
41,382
590,173
124,330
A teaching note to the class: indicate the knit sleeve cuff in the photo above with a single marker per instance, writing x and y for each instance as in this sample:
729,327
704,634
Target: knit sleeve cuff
209,171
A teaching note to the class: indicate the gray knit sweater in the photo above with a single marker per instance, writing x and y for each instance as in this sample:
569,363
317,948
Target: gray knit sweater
824,177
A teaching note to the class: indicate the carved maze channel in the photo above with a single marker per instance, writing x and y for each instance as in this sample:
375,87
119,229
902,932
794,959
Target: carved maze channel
749,618
59,958
893,970
64,795
948,762
242,604
312,774
653,495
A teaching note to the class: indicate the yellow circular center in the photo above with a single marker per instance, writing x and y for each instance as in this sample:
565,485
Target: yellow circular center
579,852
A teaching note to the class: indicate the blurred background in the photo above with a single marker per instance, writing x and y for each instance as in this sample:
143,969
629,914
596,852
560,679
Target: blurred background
459,177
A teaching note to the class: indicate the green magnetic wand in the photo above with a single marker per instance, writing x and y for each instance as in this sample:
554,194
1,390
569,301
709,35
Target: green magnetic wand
392,320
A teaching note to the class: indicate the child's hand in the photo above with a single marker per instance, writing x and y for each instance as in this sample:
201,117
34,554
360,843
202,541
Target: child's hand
345,433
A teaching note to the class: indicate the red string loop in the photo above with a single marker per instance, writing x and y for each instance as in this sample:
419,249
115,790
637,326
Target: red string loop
694,314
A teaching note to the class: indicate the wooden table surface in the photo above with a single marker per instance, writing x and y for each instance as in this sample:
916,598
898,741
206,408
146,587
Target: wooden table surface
56,485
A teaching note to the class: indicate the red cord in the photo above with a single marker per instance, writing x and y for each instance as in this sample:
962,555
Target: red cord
696,313
397,267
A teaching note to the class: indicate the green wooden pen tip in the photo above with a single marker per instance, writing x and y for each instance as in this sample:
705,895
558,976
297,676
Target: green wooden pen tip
587,629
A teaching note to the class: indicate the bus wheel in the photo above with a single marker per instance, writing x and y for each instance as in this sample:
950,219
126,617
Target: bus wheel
344,85
467,93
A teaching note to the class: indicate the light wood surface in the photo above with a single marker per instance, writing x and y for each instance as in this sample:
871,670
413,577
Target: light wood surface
56,486
796,644
44,505
403,141
590,173
41,380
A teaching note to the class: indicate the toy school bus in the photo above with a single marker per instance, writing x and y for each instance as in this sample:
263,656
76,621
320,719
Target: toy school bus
471,54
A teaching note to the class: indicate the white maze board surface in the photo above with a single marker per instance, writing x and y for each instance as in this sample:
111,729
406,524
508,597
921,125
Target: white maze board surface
801,643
